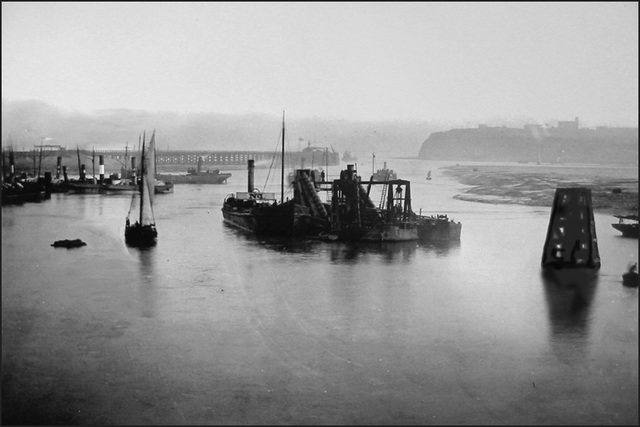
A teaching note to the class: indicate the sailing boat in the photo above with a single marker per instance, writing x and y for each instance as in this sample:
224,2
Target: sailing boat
143,232
429,176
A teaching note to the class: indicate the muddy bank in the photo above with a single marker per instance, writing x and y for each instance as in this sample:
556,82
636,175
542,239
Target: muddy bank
613,190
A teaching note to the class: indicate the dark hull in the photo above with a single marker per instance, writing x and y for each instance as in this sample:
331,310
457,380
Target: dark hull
439,229
384,175
431,230
201,178
285,219
18,198
627,230
140,235
91,188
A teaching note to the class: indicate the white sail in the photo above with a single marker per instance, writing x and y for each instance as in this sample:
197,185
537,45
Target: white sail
148,177
150,168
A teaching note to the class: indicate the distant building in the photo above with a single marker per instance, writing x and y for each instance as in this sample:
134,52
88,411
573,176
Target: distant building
569,125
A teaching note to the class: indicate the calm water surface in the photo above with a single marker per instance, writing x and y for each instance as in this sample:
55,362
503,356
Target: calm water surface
215,327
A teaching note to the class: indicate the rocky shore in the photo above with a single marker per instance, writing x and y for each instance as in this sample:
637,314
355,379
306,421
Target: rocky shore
614,190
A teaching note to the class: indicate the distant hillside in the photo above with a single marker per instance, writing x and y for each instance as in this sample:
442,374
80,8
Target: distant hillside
24,123
552,145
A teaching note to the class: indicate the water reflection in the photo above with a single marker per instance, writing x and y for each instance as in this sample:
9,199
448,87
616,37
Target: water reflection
388,252
340,252
569,294
440,247
147,285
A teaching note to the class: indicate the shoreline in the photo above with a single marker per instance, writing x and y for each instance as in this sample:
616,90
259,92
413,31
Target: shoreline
613,191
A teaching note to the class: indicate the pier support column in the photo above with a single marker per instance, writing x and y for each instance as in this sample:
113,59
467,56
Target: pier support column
571,236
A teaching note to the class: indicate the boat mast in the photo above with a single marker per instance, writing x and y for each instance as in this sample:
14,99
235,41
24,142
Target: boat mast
40,162
282,166
79,166
373,164
142,184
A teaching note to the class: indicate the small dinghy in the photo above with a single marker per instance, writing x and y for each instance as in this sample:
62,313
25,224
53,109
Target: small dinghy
630,278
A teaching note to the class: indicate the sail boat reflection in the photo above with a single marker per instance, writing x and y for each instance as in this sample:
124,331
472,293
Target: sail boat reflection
147,282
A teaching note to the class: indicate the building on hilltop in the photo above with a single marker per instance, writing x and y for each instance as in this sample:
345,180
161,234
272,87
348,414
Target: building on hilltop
569,125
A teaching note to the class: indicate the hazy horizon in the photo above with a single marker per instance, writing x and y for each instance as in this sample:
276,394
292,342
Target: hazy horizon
436,62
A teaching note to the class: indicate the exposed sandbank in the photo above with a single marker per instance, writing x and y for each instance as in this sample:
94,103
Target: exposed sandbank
613,189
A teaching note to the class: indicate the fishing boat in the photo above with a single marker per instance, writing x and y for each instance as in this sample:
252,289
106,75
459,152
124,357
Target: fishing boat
627,225
143,232
197,176
261,213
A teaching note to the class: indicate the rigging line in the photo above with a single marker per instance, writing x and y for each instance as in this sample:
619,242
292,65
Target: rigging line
273,159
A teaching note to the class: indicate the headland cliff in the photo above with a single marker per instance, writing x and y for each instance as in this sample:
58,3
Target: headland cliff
567,143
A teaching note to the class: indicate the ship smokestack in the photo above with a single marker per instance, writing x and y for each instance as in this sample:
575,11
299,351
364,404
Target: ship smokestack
64,174
58,167
199,164
250,178
83,173
350,171
101,168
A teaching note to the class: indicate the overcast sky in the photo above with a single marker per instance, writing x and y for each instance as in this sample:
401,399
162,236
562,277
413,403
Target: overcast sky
362,61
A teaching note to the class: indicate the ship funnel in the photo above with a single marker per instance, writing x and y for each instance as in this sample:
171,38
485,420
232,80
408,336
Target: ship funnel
199,164
101,168
250,178
350,171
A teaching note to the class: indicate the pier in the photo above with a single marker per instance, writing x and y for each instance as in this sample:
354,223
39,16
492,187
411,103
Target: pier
309,157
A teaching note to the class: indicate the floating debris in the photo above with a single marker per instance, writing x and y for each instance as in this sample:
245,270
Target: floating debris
66,243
